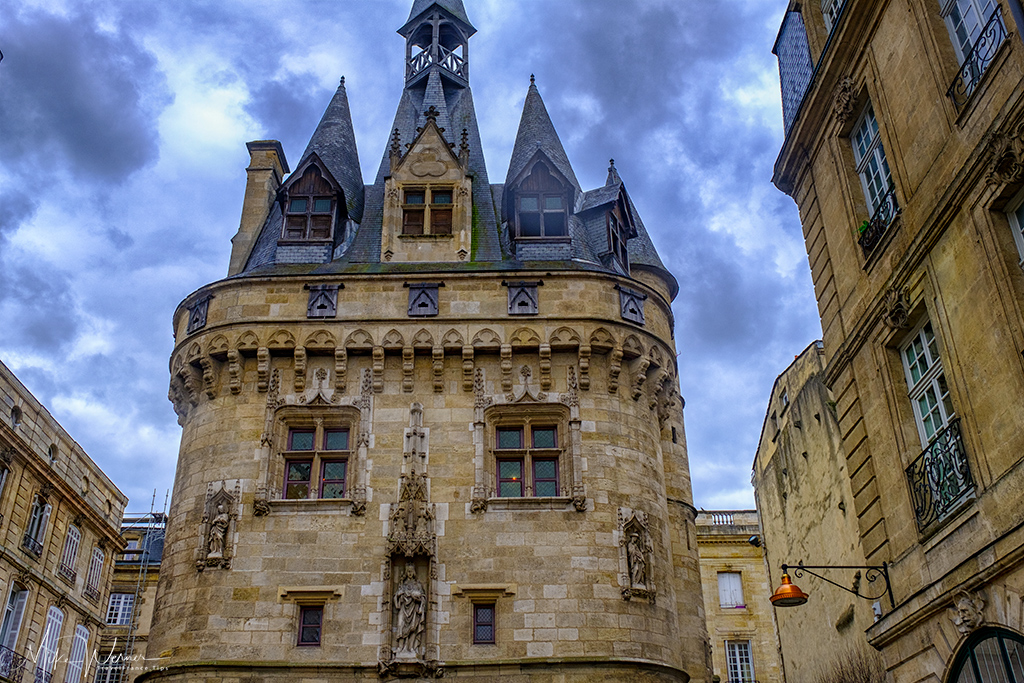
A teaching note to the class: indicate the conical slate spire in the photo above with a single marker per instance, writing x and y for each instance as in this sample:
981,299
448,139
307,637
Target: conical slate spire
536,132
334,141
453,7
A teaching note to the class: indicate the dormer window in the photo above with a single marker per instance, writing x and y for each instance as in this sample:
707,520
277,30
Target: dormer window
427,211
310,208
617,236
541,206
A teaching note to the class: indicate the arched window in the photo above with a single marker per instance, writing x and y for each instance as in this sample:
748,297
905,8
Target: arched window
310,208
991,655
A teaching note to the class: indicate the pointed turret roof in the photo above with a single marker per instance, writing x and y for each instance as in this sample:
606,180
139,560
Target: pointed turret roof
334,141
453,7
536,132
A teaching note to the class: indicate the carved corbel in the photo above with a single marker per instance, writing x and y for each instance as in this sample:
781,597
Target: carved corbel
584,355
506,368
639,377
896,305
209,378
468,365
967,613
659,383
378,369
7,455
340,369
235,371
545,367
614,369
844,101
437,355
1006,152
408,365
262,368
300,369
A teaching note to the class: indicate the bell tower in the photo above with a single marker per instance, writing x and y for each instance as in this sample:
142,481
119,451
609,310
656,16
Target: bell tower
437,39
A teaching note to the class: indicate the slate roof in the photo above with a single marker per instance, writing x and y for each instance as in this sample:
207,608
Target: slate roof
453,7
536,132
334,141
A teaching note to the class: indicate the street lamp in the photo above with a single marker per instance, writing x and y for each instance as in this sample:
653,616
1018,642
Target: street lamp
789,595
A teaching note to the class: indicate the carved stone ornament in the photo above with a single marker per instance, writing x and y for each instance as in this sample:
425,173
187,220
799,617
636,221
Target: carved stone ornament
323,301
636,554
197,314
571,397
411,531
7,455
896,312
46,490
967,612
1006,152
845,101
216,531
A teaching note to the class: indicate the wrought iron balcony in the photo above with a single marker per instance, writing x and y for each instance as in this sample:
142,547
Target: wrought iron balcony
67,572
978,59
12,665
42,676
940,478
32,545
887,211
91,592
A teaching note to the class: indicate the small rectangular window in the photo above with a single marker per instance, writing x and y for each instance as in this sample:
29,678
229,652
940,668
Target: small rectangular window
321,205
332,478
545,477
553,203
510,478
297,478
510,438
544,437
730,590
415,197
300,440
529,203
483,624
297,206
441,197
310,625
336,440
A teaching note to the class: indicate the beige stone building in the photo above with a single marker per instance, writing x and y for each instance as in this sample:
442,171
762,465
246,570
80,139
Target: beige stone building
58,536
121,654
905,154
744,647
431,425
805,506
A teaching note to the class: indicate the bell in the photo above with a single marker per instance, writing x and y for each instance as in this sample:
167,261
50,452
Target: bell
788,594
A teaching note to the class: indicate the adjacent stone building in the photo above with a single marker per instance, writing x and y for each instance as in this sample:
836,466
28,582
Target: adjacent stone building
805,507
904,152
59,516
744,648
431,425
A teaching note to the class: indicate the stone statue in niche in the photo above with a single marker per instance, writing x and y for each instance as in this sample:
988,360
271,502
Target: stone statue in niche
966,613
410,611
218,531
637,562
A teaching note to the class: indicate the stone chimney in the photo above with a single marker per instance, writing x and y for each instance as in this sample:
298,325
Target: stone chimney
267,167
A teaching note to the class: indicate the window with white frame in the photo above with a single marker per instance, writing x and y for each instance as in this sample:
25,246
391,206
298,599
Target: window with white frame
830,10
739,661
76,660
119,611
36,529
47,655
13,614
69,556
92,579
869,154
1016,217
965,19
928,390
730,590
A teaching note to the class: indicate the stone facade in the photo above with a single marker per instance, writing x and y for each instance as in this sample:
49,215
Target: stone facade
739,617
426,455
904,160
58,536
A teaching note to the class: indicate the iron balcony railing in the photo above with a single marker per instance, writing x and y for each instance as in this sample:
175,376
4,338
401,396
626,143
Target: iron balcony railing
91,592
42,676
67,571
978,59
940,478
887,211
32,545
12,665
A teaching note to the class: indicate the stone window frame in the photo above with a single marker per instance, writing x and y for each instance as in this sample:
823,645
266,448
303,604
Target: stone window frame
952,13
69,553
484,595
427,209
526,417
319,419
94,577
869,158
309,598
35,530
17,599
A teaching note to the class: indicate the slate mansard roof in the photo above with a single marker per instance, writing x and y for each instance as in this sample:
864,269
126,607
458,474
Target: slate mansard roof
334,143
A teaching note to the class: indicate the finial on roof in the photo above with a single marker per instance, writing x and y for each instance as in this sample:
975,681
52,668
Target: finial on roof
533,81
465,139
396,145
432,113
611,163
613,174
342,84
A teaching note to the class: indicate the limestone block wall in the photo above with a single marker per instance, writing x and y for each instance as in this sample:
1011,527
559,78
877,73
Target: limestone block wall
424,396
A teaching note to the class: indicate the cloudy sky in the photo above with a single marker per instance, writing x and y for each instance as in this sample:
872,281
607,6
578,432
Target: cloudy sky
122,156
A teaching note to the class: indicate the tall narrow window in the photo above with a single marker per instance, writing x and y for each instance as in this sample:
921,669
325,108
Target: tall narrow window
739,660
310,625
870,157
483,624
1016,217
76,660
965,20
92,579
47,655
730,590
69,556
36,530
831,10
13,614
927,385
977,30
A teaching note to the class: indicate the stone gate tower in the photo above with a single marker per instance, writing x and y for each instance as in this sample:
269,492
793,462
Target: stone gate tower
431,426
